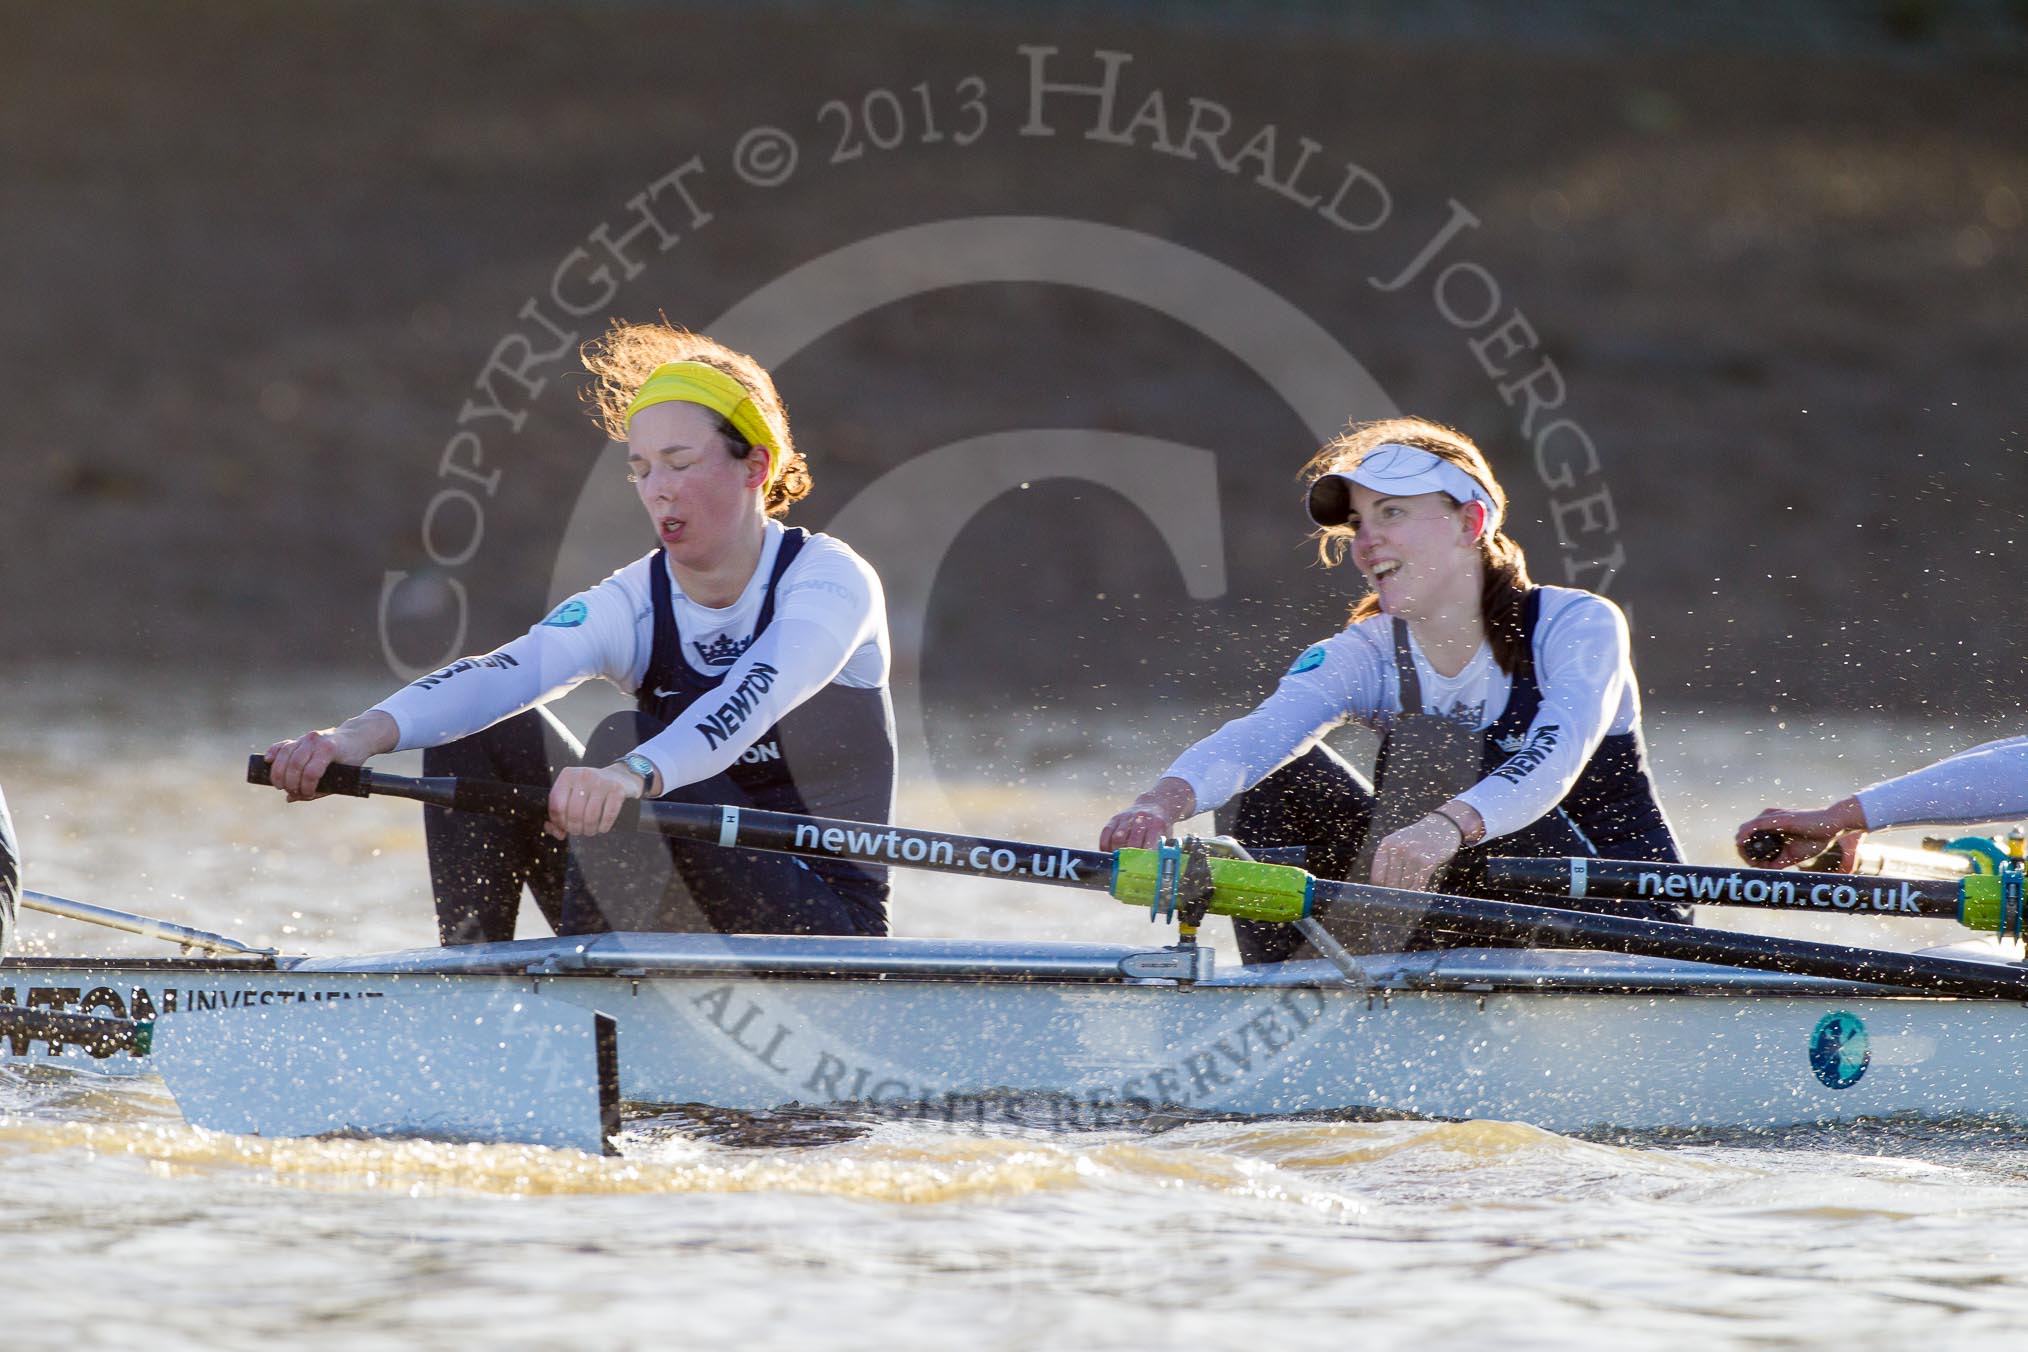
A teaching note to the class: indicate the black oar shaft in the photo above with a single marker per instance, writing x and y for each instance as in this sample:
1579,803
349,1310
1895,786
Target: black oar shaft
94,1034
1557,927
1701,884
829,838
1463,917
752,829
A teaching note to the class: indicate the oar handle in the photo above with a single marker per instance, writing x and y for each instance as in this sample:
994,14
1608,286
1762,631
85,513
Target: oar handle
1762,847
1765,846
348,780
463,795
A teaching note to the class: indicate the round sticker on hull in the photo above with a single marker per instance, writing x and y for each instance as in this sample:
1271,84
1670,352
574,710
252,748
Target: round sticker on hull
1840,1050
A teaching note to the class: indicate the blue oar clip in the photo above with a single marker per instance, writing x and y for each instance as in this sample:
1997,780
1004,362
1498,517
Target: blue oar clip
1168,874
1982,852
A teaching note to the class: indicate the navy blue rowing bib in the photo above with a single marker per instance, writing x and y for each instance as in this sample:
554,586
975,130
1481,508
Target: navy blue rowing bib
1611,812
830,756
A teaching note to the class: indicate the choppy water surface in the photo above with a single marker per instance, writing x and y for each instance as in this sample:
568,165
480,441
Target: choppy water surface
118,1224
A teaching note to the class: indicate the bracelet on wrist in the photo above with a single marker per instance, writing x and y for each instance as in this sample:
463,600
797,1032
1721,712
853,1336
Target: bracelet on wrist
1464,836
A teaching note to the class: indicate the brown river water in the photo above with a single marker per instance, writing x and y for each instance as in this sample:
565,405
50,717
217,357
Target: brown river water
119,1225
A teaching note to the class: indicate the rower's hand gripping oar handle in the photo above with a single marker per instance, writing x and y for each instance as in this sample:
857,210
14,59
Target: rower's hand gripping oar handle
1762,847
528,801
349,780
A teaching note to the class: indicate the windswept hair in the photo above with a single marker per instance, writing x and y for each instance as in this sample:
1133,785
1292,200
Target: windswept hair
1507,583
622,359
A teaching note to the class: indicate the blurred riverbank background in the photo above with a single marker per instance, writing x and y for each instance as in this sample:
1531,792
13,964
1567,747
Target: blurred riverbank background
293,293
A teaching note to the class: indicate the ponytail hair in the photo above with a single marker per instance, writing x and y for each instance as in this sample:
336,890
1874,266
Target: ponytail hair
1507,583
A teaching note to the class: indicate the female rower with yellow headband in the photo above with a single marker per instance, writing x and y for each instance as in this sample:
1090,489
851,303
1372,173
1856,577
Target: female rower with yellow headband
757,655
1508,713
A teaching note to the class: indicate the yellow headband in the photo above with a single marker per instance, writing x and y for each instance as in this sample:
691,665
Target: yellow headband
693,382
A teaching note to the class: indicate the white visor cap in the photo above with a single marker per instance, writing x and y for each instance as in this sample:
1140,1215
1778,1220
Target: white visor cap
1398,472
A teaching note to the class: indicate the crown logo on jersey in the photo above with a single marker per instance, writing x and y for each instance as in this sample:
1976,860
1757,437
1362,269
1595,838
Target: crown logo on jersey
1461,712
722,651
1510,745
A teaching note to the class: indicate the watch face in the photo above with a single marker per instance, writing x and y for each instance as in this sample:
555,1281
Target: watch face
643,767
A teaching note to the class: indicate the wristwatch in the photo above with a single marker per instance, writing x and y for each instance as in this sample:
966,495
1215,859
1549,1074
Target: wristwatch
643,767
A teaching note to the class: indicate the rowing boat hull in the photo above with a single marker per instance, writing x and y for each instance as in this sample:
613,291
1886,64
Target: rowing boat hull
1059,1035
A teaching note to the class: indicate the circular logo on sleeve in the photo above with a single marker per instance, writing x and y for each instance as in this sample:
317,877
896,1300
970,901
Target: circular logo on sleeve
1840,1050
569,615
1309,661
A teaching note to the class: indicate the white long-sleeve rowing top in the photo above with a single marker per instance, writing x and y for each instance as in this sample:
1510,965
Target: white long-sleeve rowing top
1987,783
829,626
1582,664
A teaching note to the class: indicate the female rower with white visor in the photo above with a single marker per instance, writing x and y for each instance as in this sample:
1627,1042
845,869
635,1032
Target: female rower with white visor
757,656
1508,712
